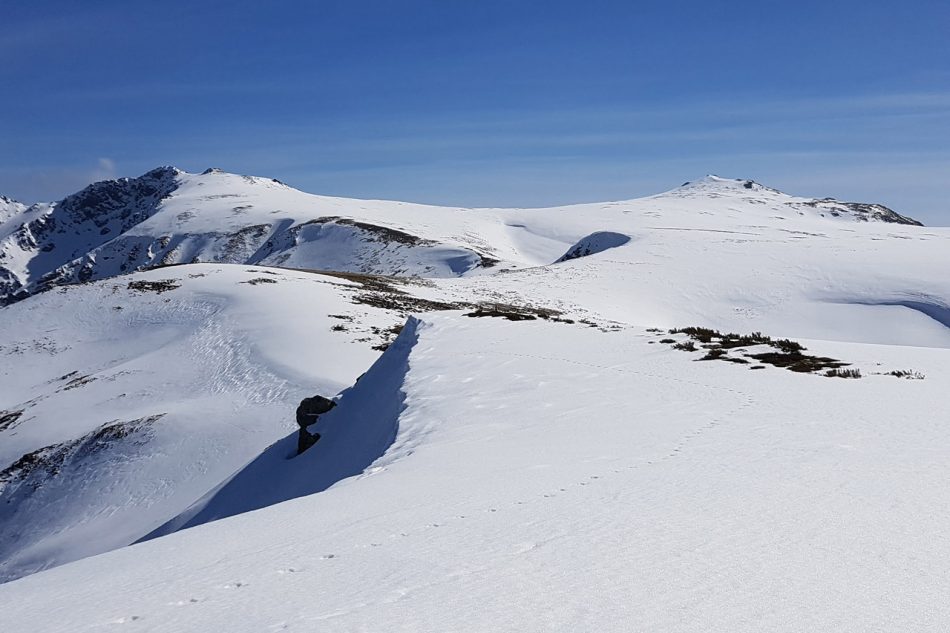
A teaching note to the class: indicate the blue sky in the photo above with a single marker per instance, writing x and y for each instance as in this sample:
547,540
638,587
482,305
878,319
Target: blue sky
484,103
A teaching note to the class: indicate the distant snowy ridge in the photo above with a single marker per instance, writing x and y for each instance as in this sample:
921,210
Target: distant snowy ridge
716,186
168,216
9,208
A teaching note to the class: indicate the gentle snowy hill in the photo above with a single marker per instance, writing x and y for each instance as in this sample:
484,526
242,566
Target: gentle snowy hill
753,192
534,425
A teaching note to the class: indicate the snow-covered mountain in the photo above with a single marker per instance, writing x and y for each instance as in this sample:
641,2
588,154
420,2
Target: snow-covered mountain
9,208
167,216
555,412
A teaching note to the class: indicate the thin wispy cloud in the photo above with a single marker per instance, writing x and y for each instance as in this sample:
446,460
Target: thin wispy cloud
369,100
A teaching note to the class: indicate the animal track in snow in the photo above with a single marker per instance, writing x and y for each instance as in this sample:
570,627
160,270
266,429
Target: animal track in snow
234,585
289,570
676,449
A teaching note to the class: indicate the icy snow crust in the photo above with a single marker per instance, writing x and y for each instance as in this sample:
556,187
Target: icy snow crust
487,474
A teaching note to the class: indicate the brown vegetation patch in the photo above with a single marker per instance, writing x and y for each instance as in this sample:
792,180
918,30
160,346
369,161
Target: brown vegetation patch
160,286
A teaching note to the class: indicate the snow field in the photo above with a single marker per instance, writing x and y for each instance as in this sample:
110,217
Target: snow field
575,478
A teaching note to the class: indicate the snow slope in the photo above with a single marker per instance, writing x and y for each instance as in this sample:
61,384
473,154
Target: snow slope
122,403
479,459
554,476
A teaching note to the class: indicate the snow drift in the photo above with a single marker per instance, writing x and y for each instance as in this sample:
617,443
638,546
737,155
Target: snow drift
353,435
595,243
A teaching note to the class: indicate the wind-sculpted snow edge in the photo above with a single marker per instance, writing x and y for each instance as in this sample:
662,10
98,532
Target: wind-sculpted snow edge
353,435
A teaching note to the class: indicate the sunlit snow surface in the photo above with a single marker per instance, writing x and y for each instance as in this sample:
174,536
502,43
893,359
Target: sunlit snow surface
494,475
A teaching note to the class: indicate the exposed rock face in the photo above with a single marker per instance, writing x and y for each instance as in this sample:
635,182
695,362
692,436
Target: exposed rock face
53,235
862,211
716,187
25,476
307,413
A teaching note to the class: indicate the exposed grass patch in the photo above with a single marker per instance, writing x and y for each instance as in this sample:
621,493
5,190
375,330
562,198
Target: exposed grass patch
784,353
259,280
390,333
404,303
732,340
517,313
843,373
511,315
798,362
789,347
687,346
380,291
701,334
160,286
715,353
909,374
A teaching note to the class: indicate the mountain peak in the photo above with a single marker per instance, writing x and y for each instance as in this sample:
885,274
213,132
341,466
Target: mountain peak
713,186
714,183
108,195
9,208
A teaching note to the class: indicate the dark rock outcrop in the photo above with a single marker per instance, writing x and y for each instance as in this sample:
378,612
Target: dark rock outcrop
307,413
863,212
305,440
24,477
311,408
